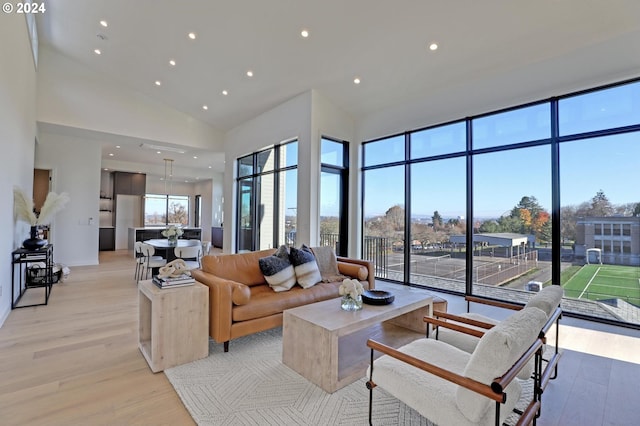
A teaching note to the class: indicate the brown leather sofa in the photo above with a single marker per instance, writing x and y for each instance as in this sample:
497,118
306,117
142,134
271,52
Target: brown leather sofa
241,302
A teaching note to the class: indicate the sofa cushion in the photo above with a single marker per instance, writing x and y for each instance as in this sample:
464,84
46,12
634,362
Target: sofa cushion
241,267
266,302
497,351
278,270
305,266
353,270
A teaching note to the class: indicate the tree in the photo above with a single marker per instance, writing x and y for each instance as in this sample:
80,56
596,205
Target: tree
178,214
395,217
489,227
568,219
600,205
636,210
529,203
436,219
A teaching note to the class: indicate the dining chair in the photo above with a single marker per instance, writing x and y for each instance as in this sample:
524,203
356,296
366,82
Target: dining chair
191,255
206,247
140,259
151,260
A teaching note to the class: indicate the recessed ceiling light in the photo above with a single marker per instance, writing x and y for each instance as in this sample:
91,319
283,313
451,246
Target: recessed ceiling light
192,36
210,167
158,152
158,83
433,46
304,33
105,169
172,63
224,92
97,51
356,80
111,154
249,73
195,157
117,146
205,107
104,23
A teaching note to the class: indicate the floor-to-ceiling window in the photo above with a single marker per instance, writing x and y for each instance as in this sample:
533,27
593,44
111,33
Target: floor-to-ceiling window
334,176
489,205
384,214
267,197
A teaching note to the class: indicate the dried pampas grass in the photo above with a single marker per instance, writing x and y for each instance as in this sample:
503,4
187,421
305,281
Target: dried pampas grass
24,207
52,205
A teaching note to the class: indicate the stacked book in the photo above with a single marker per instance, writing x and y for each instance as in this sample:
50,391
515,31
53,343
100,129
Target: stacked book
171,282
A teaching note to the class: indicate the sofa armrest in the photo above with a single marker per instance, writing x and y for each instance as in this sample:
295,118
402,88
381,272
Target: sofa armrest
371,279
223,294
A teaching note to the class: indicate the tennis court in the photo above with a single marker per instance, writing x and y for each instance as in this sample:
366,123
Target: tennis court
598,282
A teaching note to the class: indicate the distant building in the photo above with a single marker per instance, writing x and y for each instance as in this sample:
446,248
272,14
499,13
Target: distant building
617,237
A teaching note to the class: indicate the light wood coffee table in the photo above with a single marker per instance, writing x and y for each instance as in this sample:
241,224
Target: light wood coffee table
327,345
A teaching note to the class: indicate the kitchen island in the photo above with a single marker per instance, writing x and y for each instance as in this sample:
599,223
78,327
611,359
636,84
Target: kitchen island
152,233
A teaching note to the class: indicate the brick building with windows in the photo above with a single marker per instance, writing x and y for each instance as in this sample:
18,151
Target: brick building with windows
618,238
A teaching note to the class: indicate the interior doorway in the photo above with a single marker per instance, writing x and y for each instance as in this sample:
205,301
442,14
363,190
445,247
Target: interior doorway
41,187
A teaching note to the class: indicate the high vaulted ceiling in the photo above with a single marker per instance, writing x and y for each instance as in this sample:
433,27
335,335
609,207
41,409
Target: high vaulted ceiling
543,45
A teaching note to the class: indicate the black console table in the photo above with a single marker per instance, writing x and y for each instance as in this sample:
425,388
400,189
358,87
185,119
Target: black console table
21,259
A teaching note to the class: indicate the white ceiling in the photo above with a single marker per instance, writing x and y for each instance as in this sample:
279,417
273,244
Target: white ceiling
543,45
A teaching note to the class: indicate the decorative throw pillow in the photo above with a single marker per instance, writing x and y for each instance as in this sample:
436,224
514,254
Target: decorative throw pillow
305,266
278,270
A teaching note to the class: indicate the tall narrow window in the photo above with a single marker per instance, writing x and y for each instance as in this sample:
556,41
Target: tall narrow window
334,178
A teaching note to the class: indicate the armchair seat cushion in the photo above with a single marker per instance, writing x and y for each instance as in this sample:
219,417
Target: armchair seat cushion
431,396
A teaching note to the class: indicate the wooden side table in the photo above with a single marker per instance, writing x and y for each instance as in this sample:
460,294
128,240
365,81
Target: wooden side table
173,324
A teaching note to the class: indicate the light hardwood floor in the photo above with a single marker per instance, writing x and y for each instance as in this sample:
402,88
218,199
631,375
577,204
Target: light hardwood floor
76,361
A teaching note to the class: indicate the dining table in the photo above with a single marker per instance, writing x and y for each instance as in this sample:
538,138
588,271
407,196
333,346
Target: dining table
165,248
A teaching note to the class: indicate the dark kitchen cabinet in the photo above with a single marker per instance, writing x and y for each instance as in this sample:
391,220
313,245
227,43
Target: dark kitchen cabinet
129,183
106,239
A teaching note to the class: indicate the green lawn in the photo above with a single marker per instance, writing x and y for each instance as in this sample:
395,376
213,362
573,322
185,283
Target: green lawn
597,282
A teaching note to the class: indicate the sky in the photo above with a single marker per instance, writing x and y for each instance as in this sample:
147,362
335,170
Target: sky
501,179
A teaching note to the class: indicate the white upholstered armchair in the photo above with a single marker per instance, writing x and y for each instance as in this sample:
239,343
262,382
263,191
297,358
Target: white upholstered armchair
452,387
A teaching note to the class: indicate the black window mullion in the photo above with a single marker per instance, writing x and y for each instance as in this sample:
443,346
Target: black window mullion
407,208
469,236
556,242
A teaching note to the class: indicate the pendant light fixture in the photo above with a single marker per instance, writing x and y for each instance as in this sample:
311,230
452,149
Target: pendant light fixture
168,175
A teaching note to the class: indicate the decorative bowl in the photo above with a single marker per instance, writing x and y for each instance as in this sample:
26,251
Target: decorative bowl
377,297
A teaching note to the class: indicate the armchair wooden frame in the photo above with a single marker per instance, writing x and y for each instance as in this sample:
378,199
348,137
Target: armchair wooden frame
493,391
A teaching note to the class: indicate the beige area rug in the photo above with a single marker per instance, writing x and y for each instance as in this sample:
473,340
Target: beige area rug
249,385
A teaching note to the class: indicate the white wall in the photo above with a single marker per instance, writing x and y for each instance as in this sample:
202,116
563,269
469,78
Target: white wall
217,201
330,121
306,117
75,169
290,120
66,89
17,138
